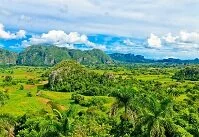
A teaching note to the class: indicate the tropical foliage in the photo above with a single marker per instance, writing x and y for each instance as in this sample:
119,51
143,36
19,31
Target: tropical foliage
73,100
189,73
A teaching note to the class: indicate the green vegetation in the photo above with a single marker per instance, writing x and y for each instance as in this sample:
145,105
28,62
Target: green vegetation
7,57
189,73
129,58
51,55
69,76
69,99
3,98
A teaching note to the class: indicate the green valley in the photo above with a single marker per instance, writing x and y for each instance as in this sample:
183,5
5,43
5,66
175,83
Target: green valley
70,99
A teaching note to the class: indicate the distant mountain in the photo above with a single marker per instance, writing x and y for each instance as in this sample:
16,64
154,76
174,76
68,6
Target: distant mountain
50,55
7,57
129,58
179,61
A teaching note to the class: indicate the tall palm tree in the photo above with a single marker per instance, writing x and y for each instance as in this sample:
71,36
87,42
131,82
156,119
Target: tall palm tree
157,116
124,97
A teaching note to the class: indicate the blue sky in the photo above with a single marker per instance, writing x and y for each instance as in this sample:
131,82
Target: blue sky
153,28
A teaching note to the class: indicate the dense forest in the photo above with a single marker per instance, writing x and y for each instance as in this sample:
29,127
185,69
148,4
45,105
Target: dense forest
70,99
51,55
189,73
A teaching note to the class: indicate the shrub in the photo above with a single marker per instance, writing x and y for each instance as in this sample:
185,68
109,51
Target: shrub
94,101
21,87
32,81
77,98
8,79
3,97
97,101
29,94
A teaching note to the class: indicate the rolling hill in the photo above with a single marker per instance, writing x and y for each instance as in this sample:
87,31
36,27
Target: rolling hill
51,55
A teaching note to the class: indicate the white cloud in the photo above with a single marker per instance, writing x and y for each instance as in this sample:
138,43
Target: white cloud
154,41
8,35
170,39
185,41
120,17
61,39
192,37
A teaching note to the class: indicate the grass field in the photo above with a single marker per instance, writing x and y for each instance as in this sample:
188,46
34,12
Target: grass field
19,103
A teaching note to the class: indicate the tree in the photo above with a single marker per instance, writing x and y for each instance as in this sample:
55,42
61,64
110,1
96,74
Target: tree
156,117
8,78
77,98
124,97
51,125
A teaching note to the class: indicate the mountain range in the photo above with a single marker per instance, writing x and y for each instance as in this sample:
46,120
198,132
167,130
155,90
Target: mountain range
39,55
7,57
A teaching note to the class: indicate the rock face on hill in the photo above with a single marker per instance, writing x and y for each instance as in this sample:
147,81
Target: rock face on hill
51,55
7,57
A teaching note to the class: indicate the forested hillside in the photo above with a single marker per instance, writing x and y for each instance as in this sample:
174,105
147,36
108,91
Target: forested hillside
51,55
43,55
7,57
129,58
69,76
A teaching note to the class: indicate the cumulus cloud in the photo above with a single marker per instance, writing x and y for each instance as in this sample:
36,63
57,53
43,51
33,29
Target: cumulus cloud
8,35
154,41
192,37
61,39
170,39
184,41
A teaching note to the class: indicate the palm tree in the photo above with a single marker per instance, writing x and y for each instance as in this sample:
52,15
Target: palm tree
54,124
156,117
124,97
63,120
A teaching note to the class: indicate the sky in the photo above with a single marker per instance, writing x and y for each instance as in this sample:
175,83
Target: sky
154,28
